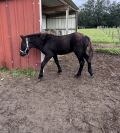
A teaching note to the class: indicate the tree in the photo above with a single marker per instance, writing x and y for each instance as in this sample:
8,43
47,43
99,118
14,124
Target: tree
100,12
86,14
114,14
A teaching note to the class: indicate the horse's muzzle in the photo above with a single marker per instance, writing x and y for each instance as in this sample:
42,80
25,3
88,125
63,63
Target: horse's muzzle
22,54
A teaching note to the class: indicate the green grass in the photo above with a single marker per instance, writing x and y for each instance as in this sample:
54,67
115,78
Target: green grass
113,50
19,72
98,36
3,68
111,30
23,72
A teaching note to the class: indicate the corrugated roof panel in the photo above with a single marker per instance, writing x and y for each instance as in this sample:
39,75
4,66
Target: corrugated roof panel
51,3
72,4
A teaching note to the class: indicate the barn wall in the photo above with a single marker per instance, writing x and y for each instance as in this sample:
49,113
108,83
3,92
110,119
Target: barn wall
18,17
59,23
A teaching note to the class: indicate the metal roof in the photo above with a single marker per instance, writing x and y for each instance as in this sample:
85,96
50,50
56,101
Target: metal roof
53,3
72,4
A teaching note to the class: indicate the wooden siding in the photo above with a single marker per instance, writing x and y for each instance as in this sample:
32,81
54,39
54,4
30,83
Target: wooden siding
18,17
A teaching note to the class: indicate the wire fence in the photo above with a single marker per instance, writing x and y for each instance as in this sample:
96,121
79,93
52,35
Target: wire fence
113,32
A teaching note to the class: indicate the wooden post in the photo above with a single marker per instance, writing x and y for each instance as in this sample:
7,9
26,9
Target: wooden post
40,9
109,31
67,17
113,33
106,30
118,30
76,20
118,34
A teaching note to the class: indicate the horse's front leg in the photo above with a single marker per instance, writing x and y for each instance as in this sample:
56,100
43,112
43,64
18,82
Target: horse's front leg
46,59
57,63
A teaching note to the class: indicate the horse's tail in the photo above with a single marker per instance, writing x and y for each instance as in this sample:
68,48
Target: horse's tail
90,51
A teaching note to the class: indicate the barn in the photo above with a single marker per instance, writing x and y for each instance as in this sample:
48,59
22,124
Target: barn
22,17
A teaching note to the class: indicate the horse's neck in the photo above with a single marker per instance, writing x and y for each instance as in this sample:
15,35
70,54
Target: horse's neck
40,47
38,44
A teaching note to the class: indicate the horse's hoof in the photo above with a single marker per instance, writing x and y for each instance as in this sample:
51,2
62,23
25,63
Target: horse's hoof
59,72
39,79
76,76
91,74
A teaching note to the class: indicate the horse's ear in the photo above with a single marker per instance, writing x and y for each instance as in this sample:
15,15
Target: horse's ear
22,36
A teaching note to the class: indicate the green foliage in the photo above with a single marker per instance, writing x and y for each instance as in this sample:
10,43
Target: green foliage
115,51
3,68
108,50
19,72
114,17
100,12
98,36
23,72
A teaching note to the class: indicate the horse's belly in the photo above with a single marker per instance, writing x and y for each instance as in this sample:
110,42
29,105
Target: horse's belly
63,48
66,51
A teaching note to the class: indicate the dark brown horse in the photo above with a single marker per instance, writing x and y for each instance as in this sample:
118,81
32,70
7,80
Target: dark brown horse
51,46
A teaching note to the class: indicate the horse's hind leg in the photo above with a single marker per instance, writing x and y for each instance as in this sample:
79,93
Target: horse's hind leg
89,64
57,63
82,62
46,59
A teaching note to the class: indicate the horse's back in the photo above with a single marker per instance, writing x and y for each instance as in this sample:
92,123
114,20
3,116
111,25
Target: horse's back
66,44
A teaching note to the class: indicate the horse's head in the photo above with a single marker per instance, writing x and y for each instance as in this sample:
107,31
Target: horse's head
24,46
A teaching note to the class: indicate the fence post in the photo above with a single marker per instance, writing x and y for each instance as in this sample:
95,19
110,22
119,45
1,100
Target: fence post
109,31
118,34
113,33
106,30
118,31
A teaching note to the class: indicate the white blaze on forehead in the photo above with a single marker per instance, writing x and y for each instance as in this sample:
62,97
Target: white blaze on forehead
27,42
27,47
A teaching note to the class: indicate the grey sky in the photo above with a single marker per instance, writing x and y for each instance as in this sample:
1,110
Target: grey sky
80,2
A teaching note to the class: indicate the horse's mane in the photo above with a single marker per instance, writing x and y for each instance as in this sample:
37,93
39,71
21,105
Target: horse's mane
44,36
33,35
41,35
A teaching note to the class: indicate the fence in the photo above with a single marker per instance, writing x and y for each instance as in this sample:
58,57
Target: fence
80,27
112,32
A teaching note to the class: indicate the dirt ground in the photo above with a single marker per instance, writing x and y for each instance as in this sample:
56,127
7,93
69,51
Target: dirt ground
62,103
